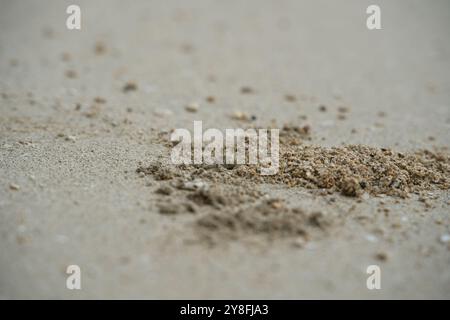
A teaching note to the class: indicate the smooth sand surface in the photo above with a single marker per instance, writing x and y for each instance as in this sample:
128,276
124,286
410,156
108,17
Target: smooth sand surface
80,201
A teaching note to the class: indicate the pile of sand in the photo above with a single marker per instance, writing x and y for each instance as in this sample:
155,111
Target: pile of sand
355,169
229,205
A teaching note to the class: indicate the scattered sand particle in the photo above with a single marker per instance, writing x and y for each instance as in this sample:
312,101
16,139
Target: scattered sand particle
65,56
239,115
71,138
162,113
381,256
129,86
71,74
99,48
14,187
99,100
93,111
247,90
290,98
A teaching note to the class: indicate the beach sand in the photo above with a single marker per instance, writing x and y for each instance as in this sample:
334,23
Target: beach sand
82,110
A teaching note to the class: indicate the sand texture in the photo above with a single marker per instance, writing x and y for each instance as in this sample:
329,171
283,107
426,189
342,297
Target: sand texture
85,171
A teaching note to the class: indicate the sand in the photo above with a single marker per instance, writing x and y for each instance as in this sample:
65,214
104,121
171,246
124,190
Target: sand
82,111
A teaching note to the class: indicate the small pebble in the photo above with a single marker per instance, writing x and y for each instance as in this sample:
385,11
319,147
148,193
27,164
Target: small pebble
299,243
99,100
71,74
100,48
65,56
290,98
194,185
210,99
371,238
192,107
382,256
129,86
14,187
343,109
71,138
238,115
163,113
246,90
